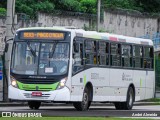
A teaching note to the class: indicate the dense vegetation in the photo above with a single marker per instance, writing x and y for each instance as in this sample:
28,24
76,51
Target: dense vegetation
31,7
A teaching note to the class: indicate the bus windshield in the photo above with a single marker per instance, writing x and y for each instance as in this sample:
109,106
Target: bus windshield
40,58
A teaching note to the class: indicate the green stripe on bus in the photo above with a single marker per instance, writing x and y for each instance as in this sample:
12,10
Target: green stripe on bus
93,36
140,82
42,87
84,79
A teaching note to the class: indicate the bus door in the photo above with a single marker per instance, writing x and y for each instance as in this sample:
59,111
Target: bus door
78,63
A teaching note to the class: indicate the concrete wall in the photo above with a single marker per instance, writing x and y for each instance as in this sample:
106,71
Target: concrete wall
129,25
62,20
113,22
117,22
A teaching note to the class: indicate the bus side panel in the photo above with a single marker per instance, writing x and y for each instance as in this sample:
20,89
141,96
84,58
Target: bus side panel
120,79
98,77
139,78
150,84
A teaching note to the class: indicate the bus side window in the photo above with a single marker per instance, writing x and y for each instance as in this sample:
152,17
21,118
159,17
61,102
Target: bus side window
127,55
137,57
90,52
148,57
115,54
103,57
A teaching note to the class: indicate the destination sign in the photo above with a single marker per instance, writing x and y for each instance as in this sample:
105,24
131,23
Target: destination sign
42,35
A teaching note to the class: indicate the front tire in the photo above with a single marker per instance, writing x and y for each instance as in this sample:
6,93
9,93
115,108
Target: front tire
34,105
85,103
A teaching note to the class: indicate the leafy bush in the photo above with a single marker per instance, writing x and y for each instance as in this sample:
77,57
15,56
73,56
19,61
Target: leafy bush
3,12
88,6
31,7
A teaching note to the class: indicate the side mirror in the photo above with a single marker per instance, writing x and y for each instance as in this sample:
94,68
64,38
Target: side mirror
6,47
76,47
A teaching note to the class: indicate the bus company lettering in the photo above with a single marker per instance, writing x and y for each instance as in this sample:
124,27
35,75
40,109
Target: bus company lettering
96,76
126,77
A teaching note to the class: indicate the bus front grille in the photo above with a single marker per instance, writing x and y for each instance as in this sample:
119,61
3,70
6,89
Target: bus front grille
29,95
37,81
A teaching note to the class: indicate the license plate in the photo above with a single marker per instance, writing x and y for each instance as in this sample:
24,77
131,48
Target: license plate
36,93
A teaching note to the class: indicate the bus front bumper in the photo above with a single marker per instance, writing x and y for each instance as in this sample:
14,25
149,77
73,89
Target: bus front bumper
56,95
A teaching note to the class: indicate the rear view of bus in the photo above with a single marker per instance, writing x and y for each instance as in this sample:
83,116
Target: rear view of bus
39,62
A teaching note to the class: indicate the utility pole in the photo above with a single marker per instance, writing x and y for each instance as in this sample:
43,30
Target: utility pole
9,34
98,13
10,16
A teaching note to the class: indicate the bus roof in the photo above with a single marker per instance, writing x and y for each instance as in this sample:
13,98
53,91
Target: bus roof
96,35
113,37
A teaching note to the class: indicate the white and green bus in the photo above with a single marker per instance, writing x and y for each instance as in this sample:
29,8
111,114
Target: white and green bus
58,64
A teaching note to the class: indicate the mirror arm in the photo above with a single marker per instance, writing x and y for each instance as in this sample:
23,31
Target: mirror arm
6,41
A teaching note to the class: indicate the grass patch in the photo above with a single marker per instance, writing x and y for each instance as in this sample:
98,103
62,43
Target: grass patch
152,100
73,118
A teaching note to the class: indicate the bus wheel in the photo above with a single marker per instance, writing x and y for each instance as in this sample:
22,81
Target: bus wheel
86,102
130,99
34,105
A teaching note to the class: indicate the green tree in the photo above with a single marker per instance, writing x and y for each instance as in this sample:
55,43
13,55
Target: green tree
31,7
3,3
2,11
88,6
151,6
125,4
67,5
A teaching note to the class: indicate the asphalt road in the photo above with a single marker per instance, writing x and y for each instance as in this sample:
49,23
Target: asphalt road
94,111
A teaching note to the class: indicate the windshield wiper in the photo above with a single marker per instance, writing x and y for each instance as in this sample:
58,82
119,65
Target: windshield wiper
53,50
30,48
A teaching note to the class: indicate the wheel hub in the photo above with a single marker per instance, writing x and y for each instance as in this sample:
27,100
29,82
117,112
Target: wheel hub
85,99
130,99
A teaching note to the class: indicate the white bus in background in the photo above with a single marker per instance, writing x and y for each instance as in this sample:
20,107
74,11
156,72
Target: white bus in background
57,64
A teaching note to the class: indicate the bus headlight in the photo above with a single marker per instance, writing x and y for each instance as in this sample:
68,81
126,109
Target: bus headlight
62,83
14,82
